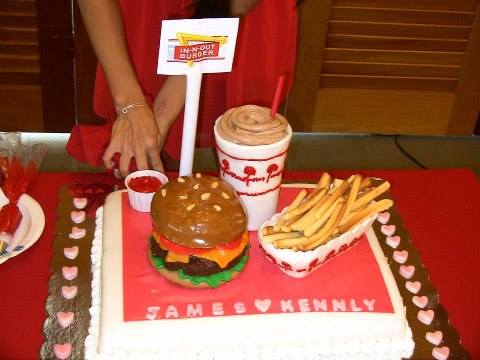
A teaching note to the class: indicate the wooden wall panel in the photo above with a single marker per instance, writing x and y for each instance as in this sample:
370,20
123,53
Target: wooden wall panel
85,68
313,24
20,90
56,64
361,111
381,61
466,108
21,108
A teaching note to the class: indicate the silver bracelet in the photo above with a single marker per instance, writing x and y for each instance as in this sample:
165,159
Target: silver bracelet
130,106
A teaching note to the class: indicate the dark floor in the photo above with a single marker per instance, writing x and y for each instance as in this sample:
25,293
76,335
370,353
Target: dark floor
321,152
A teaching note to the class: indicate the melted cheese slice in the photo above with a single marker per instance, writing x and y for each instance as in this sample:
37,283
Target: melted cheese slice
221,256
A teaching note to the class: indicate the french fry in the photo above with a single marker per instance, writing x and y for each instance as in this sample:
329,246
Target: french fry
298,199
367,198
347,217
324,182
333,208
306,205
309,217
290,243
320,237
353,193
278,236
317,224
268,230
366,183
287,225
339,192
374,208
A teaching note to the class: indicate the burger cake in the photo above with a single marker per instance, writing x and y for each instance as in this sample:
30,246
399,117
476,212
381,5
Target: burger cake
200,237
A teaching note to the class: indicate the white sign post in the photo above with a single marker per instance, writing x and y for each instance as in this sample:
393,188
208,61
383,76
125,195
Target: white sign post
193,47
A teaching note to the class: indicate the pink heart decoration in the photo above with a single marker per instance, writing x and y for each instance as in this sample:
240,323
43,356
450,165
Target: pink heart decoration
413,287
426,316
420,301
77,233
407,271
393,241
78,216
71,252
65,318
383,217
441,353
80,203
388,230
263,305
434,338
62,351
400,256
69,272
69,292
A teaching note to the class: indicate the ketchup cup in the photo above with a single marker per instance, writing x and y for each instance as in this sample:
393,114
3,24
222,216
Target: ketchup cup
141,186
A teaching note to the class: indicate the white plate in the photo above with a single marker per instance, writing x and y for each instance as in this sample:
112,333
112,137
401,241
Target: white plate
30,229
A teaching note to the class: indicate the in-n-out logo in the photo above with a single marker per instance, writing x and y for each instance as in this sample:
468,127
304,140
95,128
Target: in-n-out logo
191,48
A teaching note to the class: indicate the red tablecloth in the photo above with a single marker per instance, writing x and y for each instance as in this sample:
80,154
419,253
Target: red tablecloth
440,208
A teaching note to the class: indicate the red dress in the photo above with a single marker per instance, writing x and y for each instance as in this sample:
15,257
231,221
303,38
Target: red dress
265,50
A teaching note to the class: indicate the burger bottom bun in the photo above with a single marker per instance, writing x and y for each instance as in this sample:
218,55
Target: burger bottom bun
173,275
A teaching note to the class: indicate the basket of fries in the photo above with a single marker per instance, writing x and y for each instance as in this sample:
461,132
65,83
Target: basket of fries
322,224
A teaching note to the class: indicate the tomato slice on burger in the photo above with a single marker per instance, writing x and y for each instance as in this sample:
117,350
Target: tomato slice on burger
185,250
180,249
230,245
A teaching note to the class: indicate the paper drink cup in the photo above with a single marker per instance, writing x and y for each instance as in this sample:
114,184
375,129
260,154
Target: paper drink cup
255,171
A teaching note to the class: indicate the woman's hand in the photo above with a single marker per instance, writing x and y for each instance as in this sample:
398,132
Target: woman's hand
134,135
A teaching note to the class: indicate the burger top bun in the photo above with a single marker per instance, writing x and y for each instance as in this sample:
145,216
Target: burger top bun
198,211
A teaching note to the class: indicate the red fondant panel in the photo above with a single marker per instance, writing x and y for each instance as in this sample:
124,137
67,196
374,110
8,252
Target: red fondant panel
350,282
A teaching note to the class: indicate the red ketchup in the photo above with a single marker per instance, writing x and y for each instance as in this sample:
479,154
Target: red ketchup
145,184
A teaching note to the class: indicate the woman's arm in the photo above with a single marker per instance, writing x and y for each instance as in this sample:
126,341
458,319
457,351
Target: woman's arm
104,24
169,103
135,134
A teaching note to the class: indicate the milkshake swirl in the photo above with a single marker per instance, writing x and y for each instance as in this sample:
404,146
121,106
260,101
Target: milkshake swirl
251,125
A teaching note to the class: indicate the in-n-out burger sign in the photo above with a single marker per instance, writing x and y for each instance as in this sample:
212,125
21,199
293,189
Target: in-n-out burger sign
197,51
194,47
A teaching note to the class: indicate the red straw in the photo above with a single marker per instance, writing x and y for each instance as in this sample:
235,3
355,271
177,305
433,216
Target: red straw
278,94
